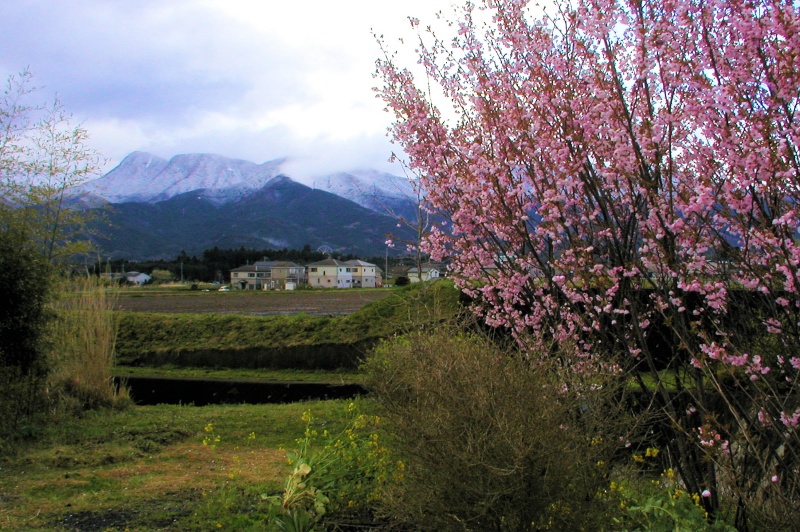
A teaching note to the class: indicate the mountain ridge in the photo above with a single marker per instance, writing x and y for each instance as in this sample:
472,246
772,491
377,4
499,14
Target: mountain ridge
157,208
145,177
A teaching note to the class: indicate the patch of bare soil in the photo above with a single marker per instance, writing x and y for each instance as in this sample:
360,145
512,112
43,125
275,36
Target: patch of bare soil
317,303
162,514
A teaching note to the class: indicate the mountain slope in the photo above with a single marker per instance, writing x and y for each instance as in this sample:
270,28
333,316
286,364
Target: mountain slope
193,202
377,191
281,214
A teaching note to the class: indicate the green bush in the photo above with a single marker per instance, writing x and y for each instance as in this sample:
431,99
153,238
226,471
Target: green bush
26,286
489,443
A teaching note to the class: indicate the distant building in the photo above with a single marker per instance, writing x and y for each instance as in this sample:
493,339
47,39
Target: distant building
365,274
328,273
268,275
331,273
430,272
130,277
137,278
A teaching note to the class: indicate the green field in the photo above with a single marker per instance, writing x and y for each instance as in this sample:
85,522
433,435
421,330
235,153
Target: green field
147,468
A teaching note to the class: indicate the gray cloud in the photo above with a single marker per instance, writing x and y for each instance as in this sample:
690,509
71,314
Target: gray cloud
248,79
154,60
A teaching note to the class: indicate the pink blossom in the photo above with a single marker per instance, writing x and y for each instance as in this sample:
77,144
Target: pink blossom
614,155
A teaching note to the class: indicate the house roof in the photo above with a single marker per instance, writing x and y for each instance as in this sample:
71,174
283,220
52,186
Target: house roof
357,262
277,264
328,262
263,266
427,268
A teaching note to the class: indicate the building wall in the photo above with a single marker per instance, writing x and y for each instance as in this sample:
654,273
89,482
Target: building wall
323,277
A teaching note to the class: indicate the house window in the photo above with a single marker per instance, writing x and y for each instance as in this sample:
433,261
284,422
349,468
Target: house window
251,275
313,270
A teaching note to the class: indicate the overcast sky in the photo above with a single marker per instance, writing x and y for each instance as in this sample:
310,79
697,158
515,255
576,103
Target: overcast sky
250,79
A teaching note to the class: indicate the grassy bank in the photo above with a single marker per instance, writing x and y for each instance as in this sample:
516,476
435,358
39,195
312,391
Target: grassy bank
148,468
242,374
278,342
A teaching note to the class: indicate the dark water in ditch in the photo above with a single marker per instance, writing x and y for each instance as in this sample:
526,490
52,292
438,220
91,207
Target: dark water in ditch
200,392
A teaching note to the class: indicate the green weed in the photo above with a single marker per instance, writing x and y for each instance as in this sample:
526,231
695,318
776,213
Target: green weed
335,475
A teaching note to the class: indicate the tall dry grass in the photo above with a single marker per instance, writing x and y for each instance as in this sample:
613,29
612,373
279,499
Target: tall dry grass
84,334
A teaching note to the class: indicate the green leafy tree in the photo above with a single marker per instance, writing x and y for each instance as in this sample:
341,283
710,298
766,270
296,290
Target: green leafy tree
162,276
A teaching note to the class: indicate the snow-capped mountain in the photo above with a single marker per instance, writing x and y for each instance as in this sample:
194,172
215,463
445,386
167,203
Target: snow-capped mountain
195,202
144,177
148,178
377,191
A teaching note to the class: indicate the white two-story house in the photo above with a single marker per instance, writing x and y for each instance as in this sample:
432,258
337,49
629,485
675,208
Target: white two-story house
364,274
329,273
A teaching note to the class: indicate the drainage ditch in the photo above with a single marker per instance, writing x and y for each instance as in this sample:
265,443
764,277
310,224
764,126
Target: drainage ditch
200,392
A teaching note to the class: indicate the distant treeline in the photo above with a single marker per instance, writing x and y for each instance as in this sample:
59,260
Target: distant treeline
215,264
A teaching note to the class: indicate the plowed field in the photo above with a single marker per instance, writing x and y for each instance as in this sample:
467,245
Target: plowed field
319,303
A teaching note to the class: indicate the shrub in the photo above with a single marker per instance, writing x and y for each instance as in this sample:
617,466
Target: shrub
488,443
26,287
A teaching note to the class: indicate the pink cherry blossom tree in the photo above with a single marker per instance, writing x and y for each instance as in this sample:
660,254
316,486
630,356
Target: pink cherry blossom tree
620,182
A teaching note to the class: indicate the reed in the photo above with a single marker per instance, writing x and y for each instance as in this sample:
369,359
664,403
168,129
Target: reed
84,333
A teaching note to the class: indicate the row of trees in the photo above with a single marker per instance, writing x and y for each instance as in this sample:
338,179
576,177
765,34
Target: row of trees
215,264
630,169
